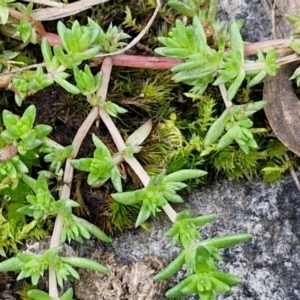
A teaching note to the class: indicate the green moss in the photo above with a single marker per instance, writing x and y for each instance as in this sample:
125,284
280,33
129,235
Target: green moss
235,163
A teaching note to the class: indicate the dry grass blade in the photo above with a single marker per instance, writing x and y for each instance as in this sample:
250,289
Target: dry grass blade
46,3
54,13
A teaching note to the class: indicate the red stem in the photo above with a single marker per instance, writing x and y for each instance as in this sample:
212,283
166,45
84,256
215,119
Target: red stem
145,62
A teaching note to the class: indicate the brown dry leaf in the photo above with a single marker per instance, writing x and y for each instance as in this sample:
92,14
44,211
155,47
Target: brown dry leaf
283,108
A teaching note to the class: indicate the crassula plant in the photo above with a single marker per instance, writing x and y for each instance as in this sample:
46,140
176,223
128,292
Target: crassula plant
194,60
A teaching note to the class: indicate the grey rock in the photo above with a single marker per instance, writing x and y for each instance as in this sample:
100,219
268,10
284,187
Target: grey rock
257,24
269,263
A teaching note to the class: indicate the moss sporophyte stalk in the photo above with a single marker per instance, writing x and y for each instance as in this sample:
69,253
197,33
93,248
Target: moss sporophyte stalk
153,148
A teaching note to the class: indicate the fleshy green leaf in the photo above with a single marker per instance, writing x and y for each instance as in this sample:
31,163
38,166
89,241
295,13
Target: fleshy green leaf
69,87
172,268
228,279
11,264
85,263
127,198
38,295
143,215
215,130
94,230
227,241
184,175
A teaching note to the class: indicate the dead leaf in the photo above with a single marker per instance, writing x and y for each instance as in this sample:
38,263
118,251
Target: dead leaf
283,108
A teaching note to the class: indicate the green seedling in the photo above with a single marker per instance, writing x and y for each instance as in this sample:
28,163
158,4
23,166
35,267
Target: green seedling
160,190
101,167
235,121
77,43
109,41
57,158
26,31
22,132
86,82
203,277
185,230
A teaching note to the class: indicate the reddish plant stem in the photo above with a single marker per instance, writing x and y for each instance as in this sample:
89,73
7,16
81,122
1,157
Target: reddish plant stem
138,61
18,15
53,39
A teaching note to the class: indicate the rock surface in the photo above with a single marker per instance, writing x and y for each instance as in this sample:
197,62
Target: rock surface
257,24
269,263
